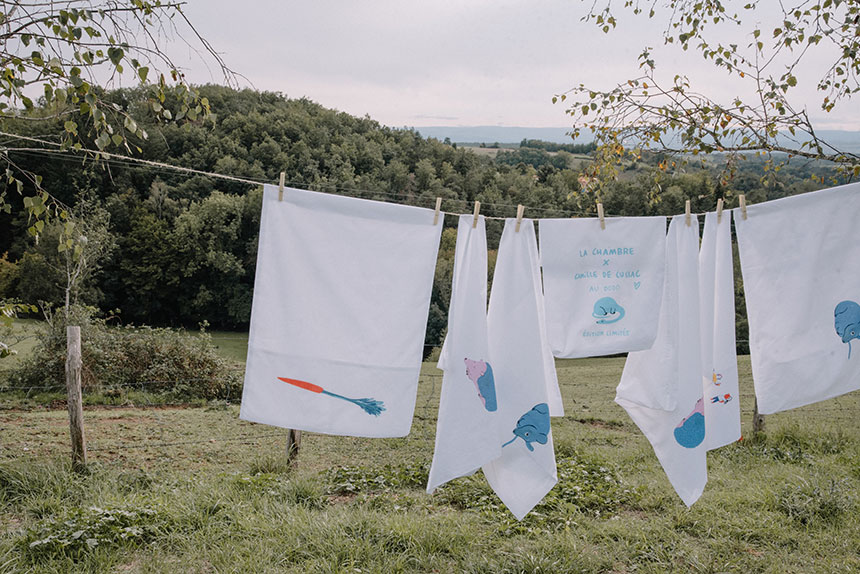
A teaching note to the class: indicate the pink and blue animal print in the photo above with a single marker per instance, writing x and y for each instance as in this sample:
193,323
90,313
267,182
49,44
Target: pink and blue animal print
690,432
481,374
846,318
533,427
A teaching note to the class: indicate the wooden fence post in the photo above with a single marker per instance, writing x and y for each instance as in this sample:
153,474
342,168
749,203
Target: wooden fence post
758,420
294,443
73,389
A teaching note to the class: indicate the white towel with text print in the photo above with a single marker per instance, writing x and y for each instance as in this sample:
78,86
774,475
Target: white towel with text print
603,286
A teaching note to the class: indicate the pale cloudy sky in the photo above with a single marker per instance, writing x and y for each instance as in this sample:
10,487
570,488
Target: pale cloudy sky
444,62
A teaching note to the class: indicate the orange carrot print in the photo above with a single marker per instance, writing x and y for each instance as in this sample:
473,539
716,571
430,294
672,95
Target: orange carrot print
370,406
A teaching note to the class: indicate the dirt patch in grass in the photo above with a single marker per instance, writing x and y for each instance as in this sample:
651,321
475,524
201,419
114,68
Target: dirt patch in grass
599,423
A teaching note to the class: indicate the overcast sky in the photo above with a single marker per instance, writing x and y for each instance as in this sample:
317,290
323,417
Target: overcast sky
443,62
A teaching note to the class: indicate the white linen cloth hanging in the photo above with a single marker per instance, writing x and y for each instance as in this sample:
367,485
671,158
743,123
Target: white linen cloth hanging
526,469
801,272
677,431
603,286
341,298
717,315
466,429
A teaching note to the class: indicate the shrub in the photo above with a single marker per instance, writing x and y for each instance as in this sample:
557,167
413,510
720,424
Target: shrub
83,530
149,359
355,479
808,503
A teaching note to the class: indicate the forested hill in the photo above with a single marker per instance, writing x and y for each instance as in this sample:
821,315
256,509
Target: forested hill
184,247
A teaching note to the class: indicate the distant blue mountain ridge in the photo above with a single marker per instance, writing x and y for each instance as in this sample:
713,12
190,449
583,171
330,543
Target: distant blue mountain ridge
848,141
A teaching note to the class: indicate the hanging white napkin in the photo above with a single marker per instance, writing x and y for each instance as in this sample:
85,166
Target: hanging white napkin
526,469
677,433
340,307
603,286
650,379
466,433
801,272
717,313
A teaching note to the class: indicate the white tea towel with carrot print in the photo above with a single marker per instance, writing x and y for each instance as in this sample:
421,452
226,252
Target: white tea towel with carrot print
341,298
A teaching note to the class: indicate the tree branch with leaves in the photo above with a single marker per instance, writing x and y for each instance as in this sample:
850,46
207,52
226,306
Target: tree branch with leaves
68,53
671,115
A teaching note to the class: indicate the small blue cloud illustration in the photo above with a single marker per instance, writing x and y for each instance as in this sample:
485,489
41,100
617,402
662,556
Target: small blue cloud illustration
607,311
846,318
533,426
690,432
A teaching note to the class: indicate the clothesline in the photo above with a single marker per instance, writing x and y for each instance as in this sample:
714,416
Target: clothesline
126,161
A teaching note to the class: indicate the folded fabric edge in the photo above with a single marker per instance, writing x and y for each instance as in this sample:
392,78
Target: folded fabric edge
250,417
432,486
688,497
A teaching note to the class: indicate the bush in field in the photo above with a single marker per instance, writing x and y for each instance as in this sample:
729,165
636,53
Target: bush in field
148,359
810,503
84,530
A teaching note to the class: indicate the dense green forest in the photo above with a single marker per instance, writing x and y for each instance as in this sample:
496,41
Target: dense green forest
181,249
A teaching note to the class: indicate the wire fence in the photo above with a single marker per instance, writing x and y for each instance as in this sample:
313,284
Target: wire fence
126,417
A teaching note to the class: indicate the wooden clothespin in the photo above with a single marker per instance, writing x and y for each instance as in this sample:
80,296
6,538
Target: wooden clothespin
475,214
281,186
742,199
438,209
520,210
719,210
687,215
600,215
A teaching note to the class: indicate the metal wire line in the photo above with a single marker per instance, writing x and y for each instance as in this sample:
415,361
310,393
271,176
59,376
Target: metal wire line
127,161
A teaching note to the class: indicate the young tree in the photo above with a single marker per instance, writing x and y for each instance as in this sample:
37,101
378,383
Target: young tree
668,113
66,54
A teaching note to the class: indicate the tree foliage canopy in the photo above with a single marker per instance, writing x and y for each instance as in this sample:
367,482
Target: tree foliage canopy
185,245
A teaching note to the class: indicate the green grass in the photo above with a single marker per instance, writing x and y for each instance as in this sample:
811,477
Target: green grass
22,340
197,490
231,344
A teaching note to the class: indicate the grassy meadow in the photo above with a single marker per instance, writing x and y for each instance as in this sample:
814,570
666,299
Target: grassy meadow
191,488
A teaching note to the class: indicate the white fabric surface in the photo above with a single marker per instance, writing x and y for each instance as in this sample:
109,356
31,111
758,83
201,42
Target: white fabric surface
717,313
341,298
671,371
801,272
466,429
603,286
526,469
